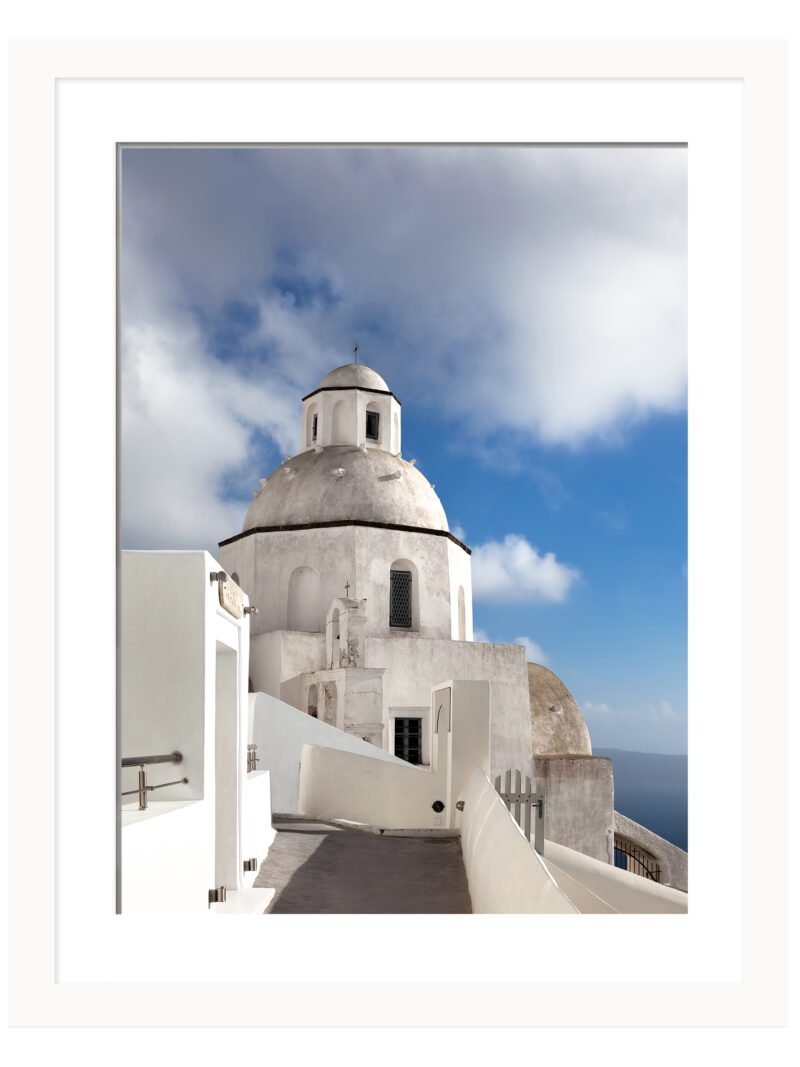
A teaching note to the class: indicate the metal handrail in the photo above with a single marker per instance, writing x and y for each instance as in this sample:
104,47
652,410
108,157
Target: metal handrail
161,785
140,761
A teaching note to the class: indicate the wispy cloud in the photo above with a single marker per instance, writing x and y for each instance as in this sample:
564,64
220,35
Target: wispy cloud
513,570
535,653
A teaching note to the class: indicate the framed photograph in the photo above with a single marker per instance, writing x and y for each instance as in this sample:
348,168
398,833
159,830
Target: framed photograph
725,103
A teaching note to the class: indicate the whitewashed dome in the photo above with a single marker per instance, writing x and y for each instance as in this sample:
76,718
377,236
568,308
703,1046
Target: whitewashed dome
353,376
341,483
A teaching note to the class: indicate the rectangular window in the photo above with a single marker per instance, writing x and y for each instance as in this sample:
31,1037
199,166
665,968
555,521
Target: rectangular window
373,419
408,740
314,427
400,599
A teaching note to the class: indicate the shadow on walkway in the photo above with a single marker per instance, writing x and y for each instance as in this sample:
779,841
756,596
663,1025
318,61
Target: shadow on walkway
320,869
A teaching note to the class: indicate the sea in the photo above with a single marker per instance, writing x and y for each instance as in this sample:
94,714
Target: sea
652,789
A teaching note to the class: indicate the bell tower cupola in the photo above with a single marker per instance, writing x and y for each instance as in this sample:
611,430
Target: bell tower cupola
352,406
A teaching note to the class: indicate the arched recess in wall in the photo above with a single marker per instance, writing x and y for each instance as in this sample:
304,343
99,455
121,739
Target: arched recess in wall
335,638
313,701
312,426
395,433
403,595
462,615
341,429
302,608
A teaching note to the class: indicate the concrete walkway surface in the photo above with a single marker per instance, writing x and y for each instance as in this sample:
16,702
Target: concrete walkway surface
316,868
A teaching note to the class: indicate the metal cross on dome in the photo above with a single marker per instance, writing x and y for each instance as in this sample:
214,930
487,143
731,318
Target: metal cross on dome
347,589
355,353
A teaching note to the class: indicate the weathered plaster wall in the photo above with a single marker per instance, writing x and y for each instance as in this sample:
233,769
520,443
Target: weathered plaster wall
415,665
557,725
360,556
579,803
674,861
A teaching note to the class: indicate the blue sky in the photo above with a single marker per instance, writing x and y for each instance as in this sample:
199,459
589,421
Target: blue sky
527,306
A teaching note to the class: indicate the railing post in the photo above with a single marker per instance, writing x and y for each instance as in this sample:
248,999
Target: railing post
142,789
538,840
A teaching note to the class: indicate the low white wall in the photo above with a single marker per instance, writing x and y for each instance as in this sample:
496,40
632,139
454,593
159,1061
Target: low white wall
627,893
257,831
504,873
168,857
281,731
396,795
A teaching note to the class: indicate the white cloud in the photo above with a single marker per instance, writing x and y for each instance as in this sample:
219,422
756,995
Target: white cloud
534,293
480,635
513,570
595,709
534,652
459,532
186,425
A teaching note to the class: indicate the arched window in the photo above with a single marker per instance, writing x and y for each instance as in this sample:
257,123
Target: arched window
313,701
462,615
302,609
403,595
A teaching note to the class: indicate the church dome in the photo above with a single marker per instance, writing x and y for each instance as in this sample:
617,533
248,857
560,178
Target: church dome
353,376
342,483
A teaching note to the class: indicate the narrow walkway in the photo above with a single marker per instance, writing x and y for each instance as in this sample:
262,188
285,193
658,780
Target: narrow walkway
320,869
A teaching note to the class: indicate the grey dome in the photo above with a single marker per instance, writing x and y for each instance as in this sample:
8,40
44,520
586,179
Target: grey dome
557,725
354,375
376,486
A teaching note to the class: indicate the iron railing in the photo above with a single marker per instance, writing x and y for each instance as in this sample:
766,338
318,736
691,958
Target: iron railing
629,857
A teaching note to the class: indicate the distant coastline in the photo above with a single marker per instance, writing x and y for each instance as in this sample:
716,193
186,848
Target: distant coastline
652,789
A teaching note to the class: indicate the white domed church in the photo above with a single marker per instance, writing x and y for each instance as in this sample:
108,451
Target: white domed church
364,595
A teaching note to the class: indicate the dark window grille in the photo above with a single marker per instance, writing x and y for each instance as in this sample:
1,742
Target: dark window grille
314,427
408,740
400,599
373,421
630,858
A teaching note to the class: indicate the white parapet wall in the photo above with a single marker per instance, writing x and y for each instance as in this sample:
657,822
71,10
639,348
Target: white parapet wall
280,732
167,857
625,892
394,794
504,874
359,788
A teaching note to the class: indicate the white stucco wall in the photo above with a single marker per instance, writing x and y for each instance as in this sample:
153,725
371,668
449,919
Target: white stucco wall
167,857
414,666
504,874
281,731
257,831
361,556
396,795
183,662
